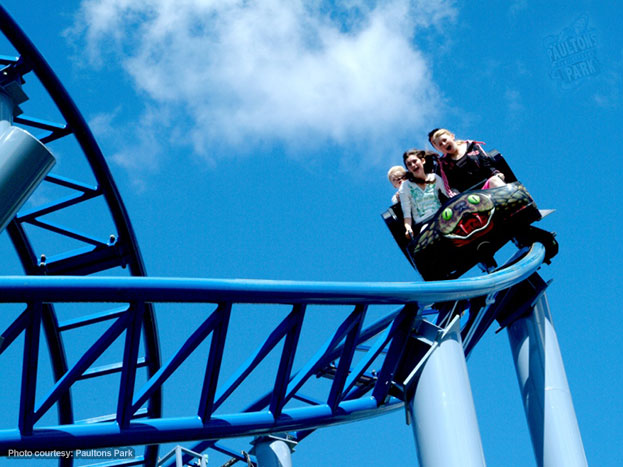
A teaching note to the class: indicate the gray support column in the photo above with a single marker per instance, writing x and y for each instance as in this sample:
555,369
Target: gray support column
442,409
544,390
24,162
7,107
273,450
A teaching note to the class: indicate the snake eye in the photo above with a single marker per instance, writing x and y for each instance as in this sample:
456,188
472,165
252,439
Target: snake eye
446,214
473,199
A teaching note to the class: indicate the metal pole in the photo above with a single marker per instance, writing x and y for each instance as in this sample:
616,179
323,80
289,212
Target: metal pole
24,160
544,389
178,452
178,457
442,410
273,451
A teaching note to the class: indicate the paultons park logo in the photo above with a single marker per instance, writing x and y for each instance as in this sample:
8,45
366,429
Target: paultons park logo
573,54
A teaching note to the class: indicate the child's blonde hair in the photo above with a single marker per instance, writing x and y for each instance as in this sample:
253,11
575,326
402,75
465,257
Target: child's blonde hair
396,170
438,132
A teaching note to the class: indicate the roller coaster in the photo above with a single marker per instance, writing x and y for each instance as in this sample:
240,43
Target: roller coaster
99,380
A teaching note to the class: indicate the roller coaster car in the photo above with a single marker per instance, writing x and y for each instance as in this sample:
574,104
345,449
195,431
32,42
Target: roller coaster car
469,228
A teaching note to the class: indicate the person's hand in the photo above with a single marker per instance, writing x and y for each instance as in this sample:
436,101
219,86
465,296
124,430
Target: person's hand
496,180
408,231
430,178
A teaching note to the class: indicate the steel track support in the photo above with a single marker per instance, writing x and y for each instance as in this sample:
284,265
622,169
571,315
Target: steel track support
441,408
544,389
178,453
273,450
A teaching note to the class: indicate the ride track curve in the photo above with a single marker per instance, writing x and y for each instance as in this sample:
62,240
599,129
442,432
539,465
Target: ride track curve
355,393
353,390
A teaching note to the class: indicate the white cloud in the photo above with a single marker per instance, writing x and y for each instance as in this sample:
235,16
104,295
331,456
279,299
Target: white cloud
136,148
294,73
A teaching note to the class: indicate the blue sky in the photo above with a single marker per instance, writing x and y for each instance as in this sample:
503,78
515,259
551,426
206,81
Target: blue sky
253,142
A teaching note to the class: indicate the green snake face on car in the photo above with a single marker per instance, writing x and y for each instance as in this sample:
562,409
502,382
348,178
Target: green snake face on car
449,241
469,216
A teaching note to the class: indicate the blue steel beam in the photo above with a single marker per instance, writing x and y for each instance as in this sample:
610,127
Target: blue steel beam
73,184
41,124
285,364
109,369
84,193
400,331
213,367
112,417
67,232
346,359
157,431
14,329
130,363
367,359
256,358
56,130
8,60
307,399
323,356
372,330
196,338
230,452
87,359
30,365
380,326
16,289
87,260
58,359
66,202
92,319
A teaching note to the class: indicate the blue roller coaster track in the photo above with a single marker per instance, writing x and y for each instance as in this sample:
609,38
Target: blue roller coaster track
354,392
352,373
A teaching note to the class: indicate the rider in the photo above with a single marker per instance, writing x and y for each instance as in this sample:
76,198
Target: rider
396,175
419,193
464,164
